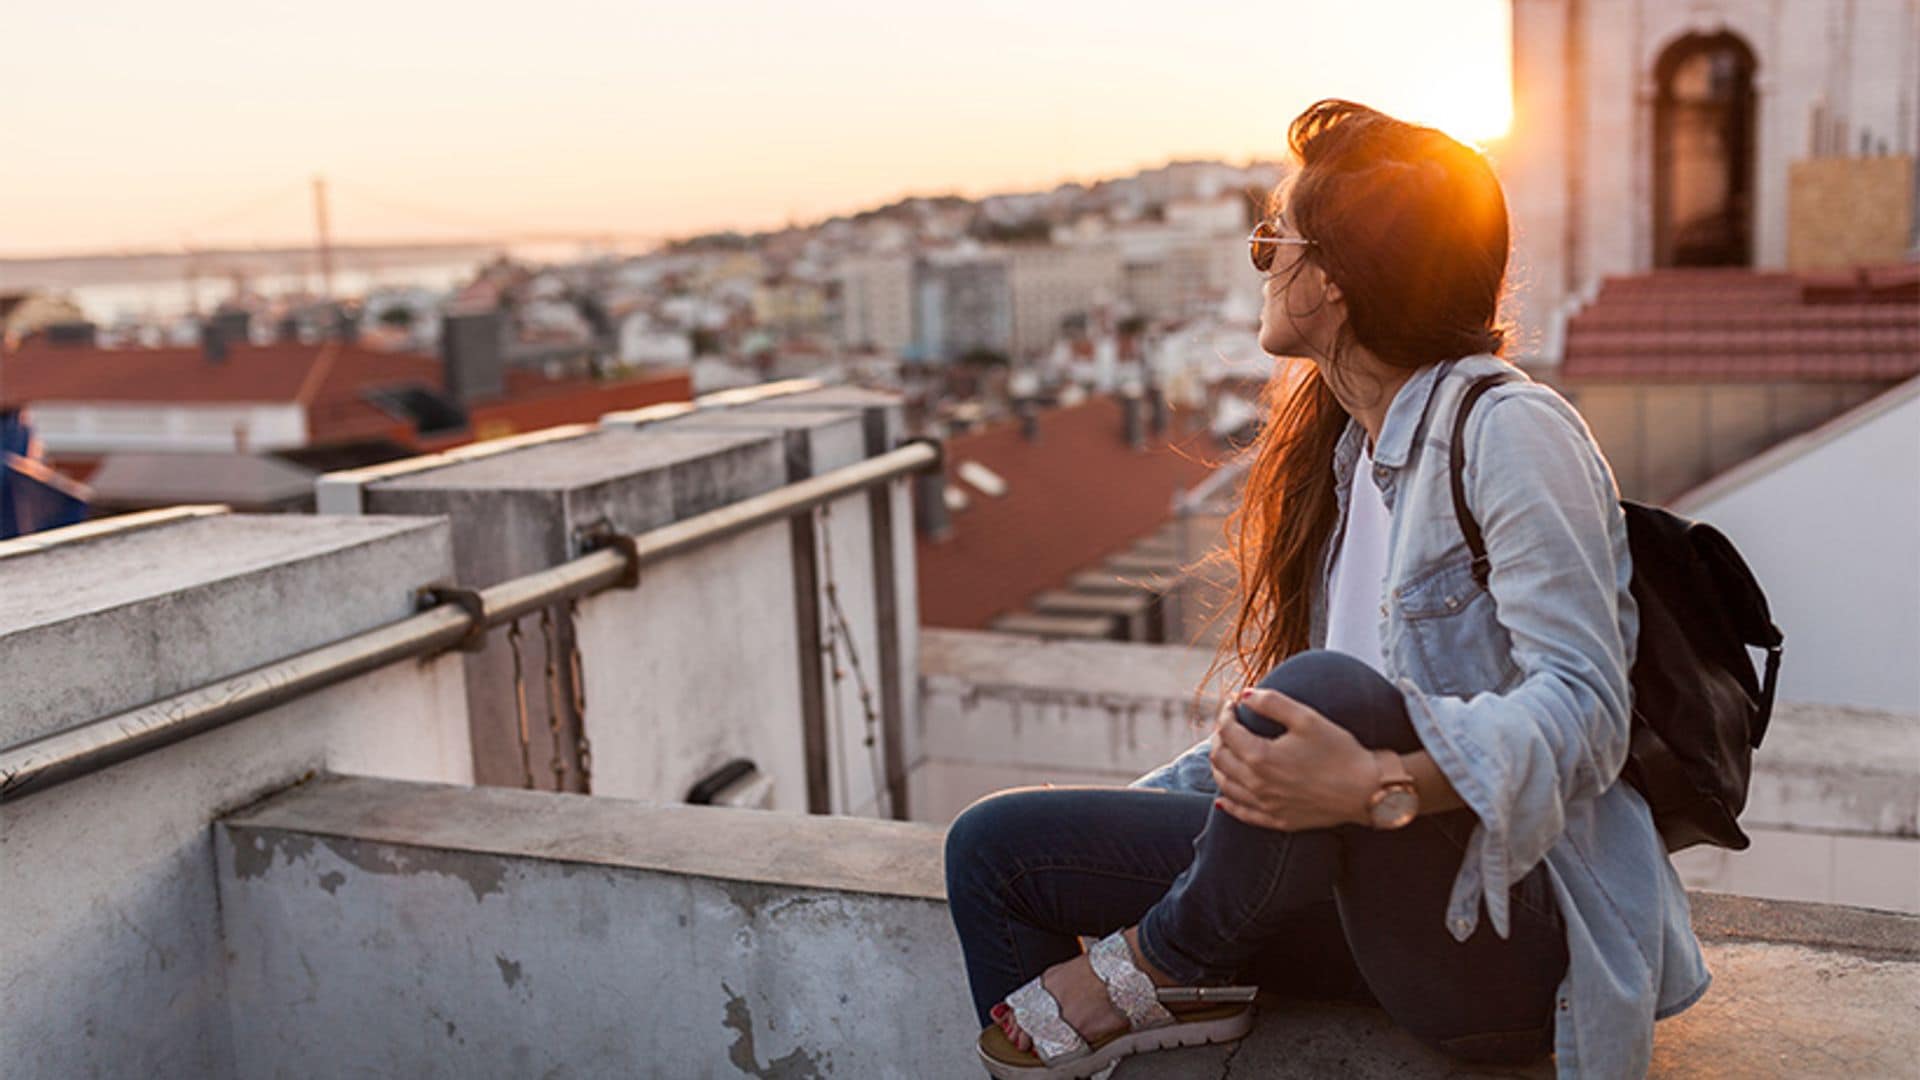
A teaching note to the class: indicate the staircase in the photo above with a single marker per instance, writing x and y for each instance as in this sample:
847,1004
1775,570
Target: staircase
1745,325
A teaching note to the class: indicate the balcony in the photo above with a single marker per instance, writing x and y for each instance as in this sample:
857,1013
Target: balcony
403,788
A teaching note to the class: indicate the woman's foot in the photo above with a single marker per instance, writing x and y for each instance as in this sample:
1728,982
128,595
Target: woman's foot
1083,999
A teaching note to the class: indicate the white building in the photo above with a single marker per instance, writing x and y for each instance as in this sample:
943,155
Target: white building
1190,262
1650,134
1830,524
962,304
1053,284
641,341
876,302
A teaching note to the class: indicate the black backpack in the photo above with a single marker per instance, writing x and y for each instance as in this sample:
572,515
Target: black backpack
1698,711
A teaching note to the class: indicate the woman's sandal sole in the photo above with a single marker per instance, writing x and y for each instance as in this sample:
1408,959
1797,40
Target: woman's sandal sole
1186,1033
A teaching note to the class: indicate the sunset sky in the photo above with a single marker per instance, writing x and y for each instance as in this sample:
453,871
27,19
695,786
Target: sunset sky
141,125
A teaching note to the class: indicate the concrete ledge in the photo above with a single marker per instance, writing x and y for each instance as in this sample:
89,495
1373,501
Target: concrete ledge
862,855
1002,709
133,615
1840,769
384,929
116,525
432,923
111,954
1063,668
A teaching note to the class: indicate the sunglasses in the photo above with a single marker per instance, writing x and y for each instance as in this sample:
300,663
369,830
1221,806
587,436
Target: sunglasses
1265,241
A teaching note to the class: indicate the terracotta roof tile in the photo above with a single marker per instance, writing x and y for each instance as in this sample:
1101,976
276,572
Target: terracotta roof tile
1074,497
1742,325
332,377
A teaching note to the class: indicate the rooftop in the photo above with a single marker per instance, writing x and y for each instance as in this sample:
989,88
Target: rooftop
331,380
1076,493
260,846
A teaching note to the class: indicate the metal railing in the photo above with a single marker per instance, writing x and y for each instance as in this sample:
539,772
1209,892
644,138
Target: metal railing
456,616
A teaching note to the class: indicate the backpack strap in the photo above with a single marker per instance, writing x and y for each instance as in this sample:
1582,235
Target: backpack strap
1456,469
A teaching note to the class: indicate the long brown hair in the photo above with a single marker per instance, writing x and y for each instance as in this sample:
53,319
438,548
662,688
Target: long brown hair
1412,226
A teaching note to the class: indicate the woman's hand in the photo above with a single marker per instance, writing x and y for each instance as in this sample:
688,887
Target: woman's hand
1318,775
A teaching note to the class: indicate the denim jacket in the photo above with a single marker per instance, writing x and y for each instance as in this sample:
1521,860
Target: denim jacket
1520,691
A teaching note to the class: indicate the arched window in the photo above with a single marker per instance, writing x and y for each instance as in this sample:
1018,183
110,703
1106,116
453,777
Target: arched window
1703,135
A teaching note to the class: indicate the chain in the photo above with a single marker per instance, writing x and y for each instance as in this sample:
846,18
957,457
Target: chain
579,695
553,700
839,629
830,648
520,704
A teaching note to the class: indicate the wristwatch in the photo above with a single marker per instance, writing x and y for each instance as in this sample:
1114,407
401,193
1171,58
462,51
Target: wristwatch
1394,802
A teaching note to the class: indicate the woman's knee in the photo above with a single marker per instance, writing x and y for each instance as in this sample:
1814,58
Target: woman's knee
979,835
1342,688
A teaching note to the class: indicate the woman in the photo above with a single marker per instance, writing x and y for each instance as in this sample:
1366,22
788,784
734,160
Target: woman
1420,749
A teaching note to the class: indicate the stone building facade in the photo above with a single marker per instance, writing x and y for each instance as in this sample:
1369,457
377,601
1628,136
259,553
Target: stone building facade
1649,134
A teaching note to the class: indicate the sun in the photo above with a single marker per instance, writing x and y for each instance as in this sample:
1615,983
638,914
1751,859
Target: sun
1475,115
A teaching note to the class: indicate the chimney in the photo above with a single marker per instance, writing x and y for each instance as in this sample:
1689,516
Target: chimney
930,504
1132,410
235,325
77,333
213,342
1029,411
473,349
346,323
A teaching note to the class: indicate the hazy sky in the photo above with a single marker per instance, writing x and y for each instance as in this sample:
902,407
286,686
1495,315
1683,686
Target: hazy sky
142,125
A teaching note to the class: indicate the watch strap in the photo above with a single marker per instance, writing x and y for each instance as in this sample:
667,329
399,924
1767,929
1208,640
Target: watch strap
1392,769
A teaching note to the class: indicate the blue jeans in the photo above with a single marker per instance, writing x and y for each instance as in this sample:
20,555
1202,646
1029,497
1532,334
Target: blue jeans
1346,913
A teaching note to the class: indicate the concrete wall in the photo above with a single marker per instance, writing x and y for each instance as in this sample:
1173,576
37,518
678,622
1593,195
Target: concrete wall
1830,523
521,511
1007,710
705,659
891,658
385,929
714,656
1665,438
109,917
1834,813
1834,807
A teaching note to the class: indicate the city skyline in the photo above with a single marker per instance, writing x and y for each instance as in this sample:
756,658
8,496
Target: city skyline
206,129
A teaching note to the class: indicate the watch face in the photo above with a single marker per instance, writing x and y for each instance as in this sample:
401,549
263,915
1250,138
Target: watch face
1395,807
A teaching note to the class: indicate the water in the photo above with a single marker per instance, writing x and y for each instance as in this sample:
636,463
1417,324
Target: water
109,301
158,287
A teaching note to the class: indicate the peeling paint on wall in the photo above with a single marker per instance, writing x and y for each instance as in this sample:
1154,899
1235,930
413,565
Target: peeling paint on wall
255,851
509,970
798,1065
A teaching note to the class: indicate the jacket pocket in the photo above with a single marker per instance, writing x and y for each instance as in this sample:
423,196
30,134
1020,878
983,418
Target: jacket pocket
1439,591
1449,621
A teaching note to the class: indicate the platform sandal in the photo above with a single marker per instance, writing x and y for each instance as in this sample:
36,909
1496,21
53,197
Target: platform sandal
1158,1018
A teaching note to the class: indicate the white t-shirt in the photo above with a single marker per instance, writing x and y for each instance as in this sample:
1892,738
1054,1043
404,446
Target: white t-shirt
1360,571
